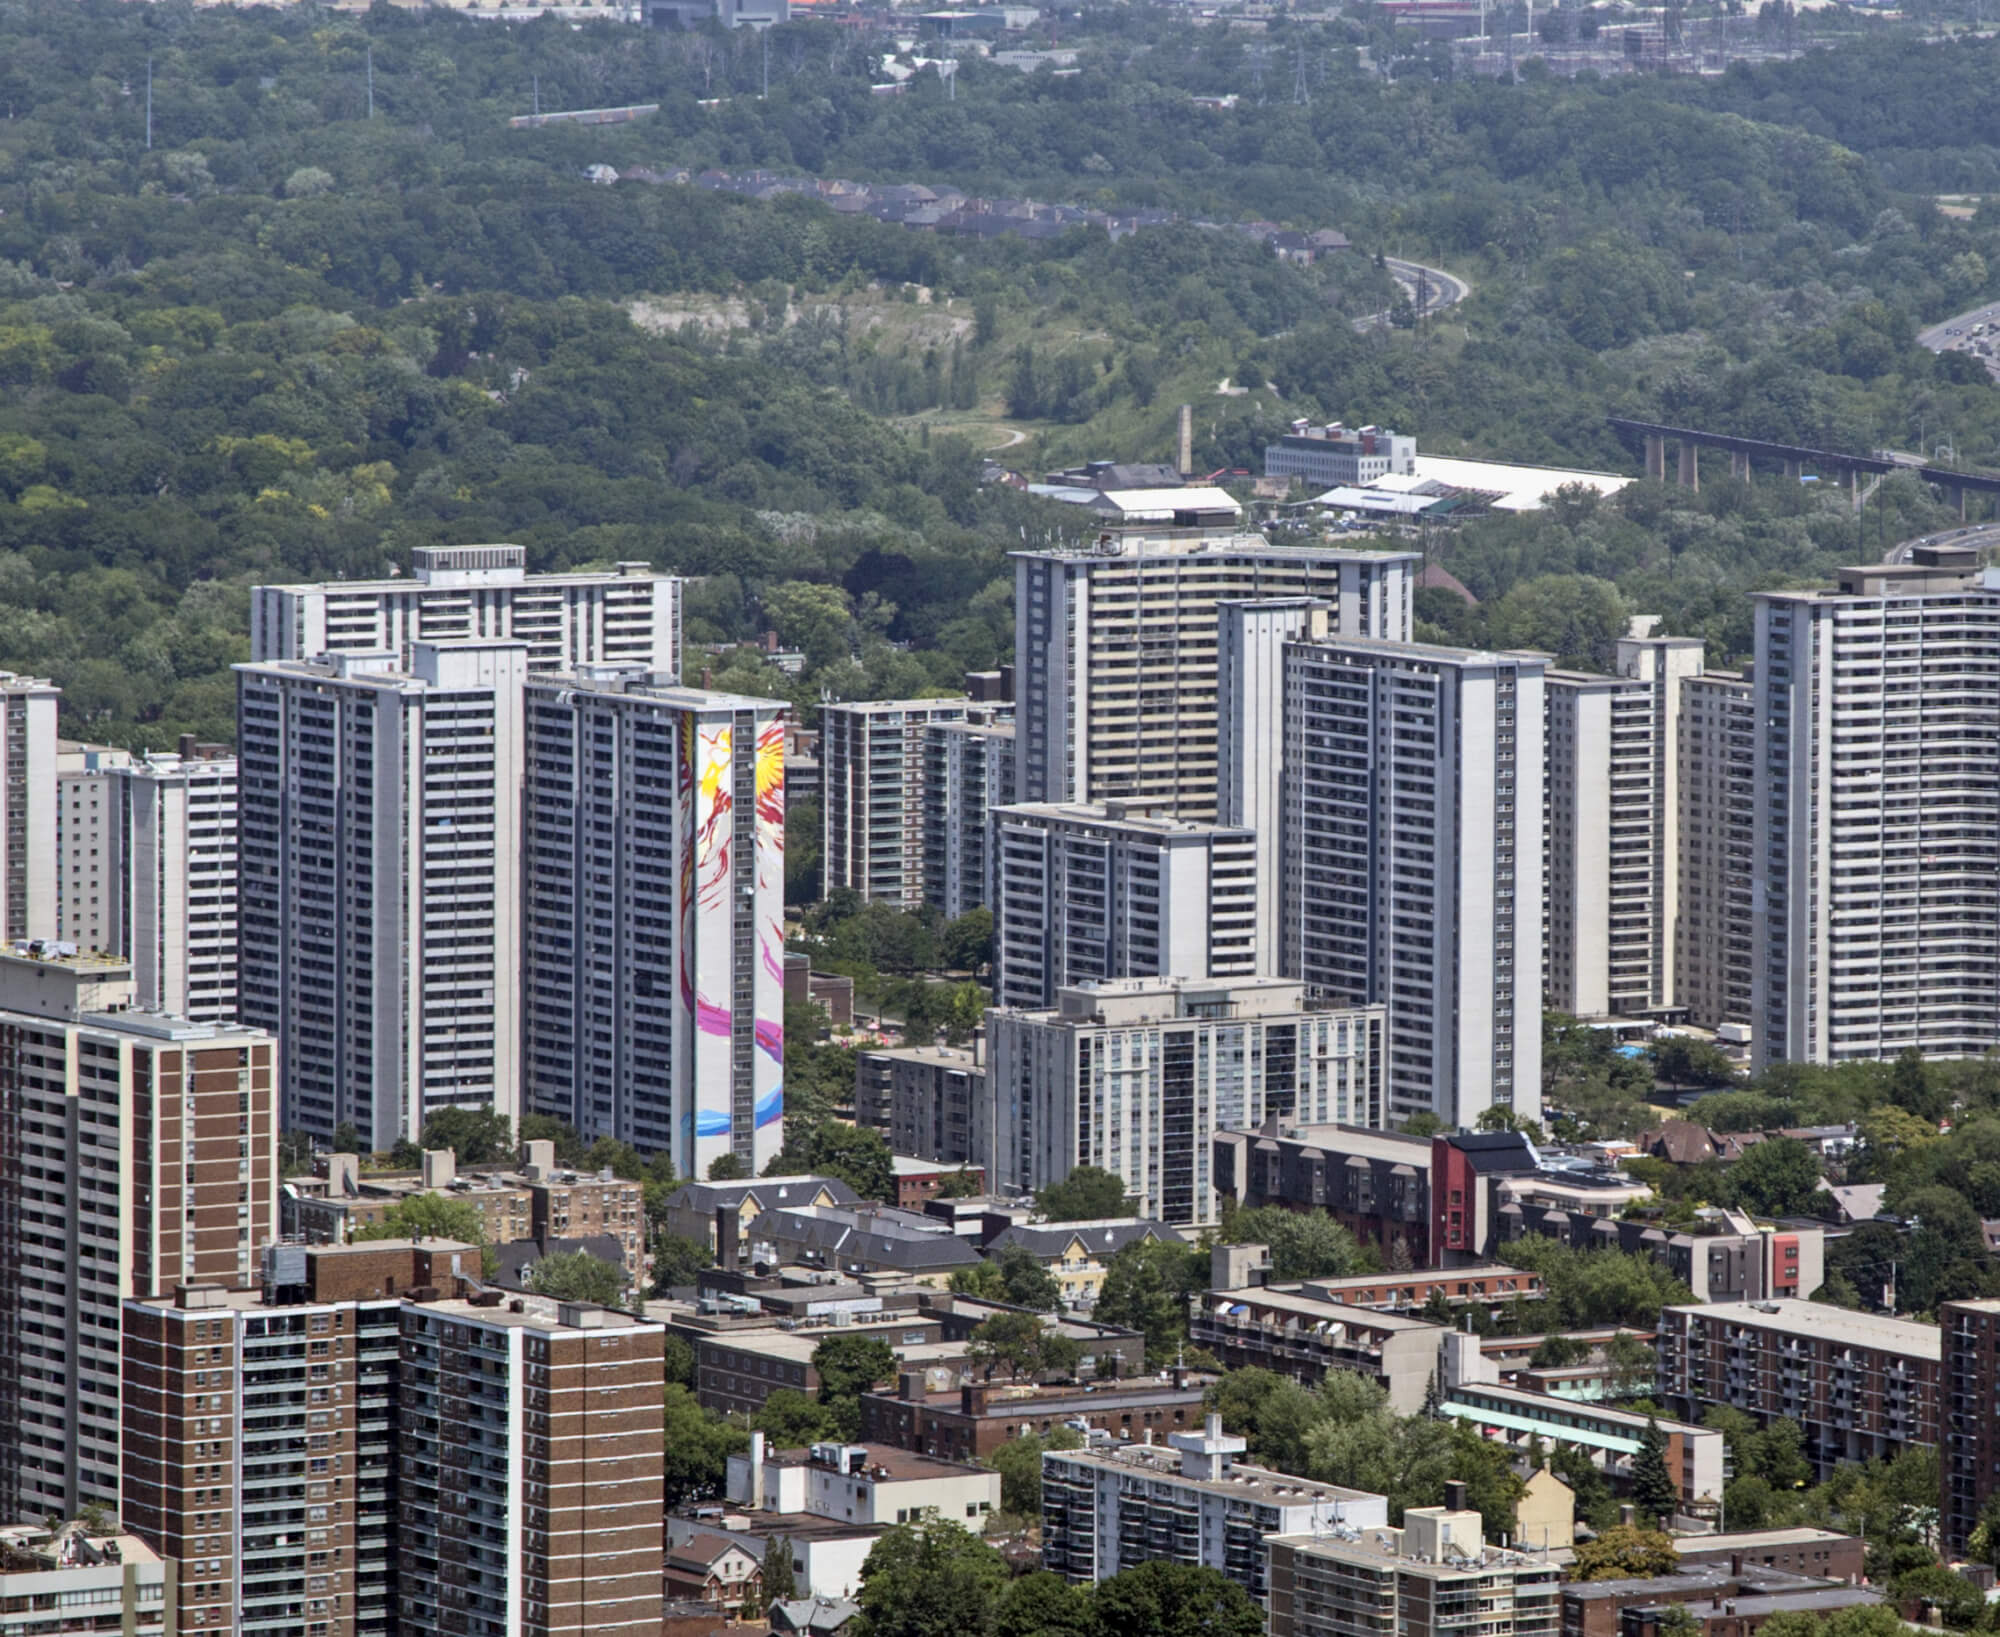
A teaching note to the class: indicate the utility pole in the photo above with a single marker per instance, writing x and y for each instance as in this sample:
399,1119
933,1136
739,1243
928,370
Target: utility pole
371,82
149,105
538,93
764,35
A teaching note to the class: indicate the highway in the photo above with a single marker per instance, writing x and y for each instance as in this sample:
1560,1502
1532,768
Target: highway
1446,290
1955,335
1986,536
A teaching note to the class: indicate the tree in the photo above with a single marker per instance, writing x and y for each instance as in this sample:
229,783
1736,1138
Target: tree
1163,1599
678,1261
476,1136
792,1421
1557,1352
1304,1244
1146,1288
779,1585
1682,1060
679,1359
814,619
698,1448
1015,1274
933,1580
1589,1288
1654,1491
1019,1463
578,1276
961,1184
1573,616
346,1140
966,944
725,1168
1042,1604
1958,1602
1635,1367
832,1148
1626,1553
849,1366
1424,1125
1024,1344
1777,1177
1087,1194
428,1216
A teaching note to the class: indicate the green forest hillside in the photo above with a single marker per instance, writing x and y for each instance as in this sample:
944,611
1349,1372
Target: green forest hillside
290,340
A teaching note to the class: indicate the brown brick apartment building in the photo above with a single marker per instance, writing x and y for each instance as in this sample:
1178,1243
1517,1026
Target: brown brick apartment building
356,1449
974,1421
136,1150
1862,1385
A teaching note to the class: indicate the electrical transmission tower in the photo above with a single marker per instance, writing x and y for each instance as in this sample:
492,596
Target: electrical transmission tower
1300,95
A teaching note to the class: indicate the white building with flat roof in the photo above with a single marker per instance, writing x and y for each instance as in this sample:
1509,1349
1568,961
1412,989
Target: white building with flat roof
29,828
478,594
1612,829
1115,652
1877,840
653,888
1104,1510
874,784
1136,1075
1085,892
1413,810
85,832
379,895
1714,929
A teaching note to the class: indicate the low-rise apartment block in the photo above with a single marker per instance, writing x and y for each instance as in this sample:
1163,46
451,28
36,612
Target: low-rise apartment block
970,1422
1862,1385
925,1099
1435,1575
1739,1261
1300,1330
83,1580
865,1483
1104,1510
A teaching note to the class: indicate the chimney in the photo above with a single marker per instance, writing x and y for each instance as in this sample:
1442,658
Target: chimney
187,747
728,1237
538,1159
1213,1426
756,1472
1184,458
440,1167
342,1174
1454,1494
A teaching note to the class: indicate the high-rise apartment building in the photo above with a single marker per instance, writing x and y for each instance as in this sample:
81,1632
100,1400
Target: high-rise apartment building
1250,736
874,777
136,1150
654,899
28,825
1613,855
358,1447
1413,860
1136,1075
85,829
149,872
1877,841
1115,653
478,594
1968,1430
1432,1577
530,1482
1109,891
968,771
379,890
1715,931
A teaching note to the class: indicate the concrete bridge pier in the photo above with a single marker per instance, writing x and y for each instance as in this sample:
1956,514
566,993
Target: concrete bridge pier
1794,471
1739,466
1690,469
1656,457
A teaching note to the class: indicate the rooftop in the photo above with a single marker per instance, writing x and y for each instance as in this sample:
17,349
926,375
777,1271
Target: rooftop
1385,1548
1108,1235
1520,1399
1751,1539
1136,817
1431,653
1839,1325
1298,1301
1249,1482
886,1461
1008,1399
1247,545
490,564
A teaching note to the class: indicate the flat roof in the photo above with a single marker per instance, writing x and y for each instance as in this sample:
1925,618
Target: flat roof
1383,1548
1746,1539
1582,1410
1839,1325
797,1346
1291,1299
1250,1482
1433,652
1137,816
1520,488
898,1464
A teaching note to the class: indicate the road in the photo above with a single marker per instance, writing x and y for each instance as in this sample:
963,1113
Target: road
1986,536
1446,290
1955,335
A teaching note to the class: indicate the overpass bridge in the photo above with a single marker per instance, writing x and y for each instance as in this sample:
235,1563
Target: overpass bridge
1793,459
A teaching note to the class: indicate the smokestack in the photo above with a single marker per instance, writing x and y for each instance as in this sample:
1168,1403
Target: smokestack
1185,460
